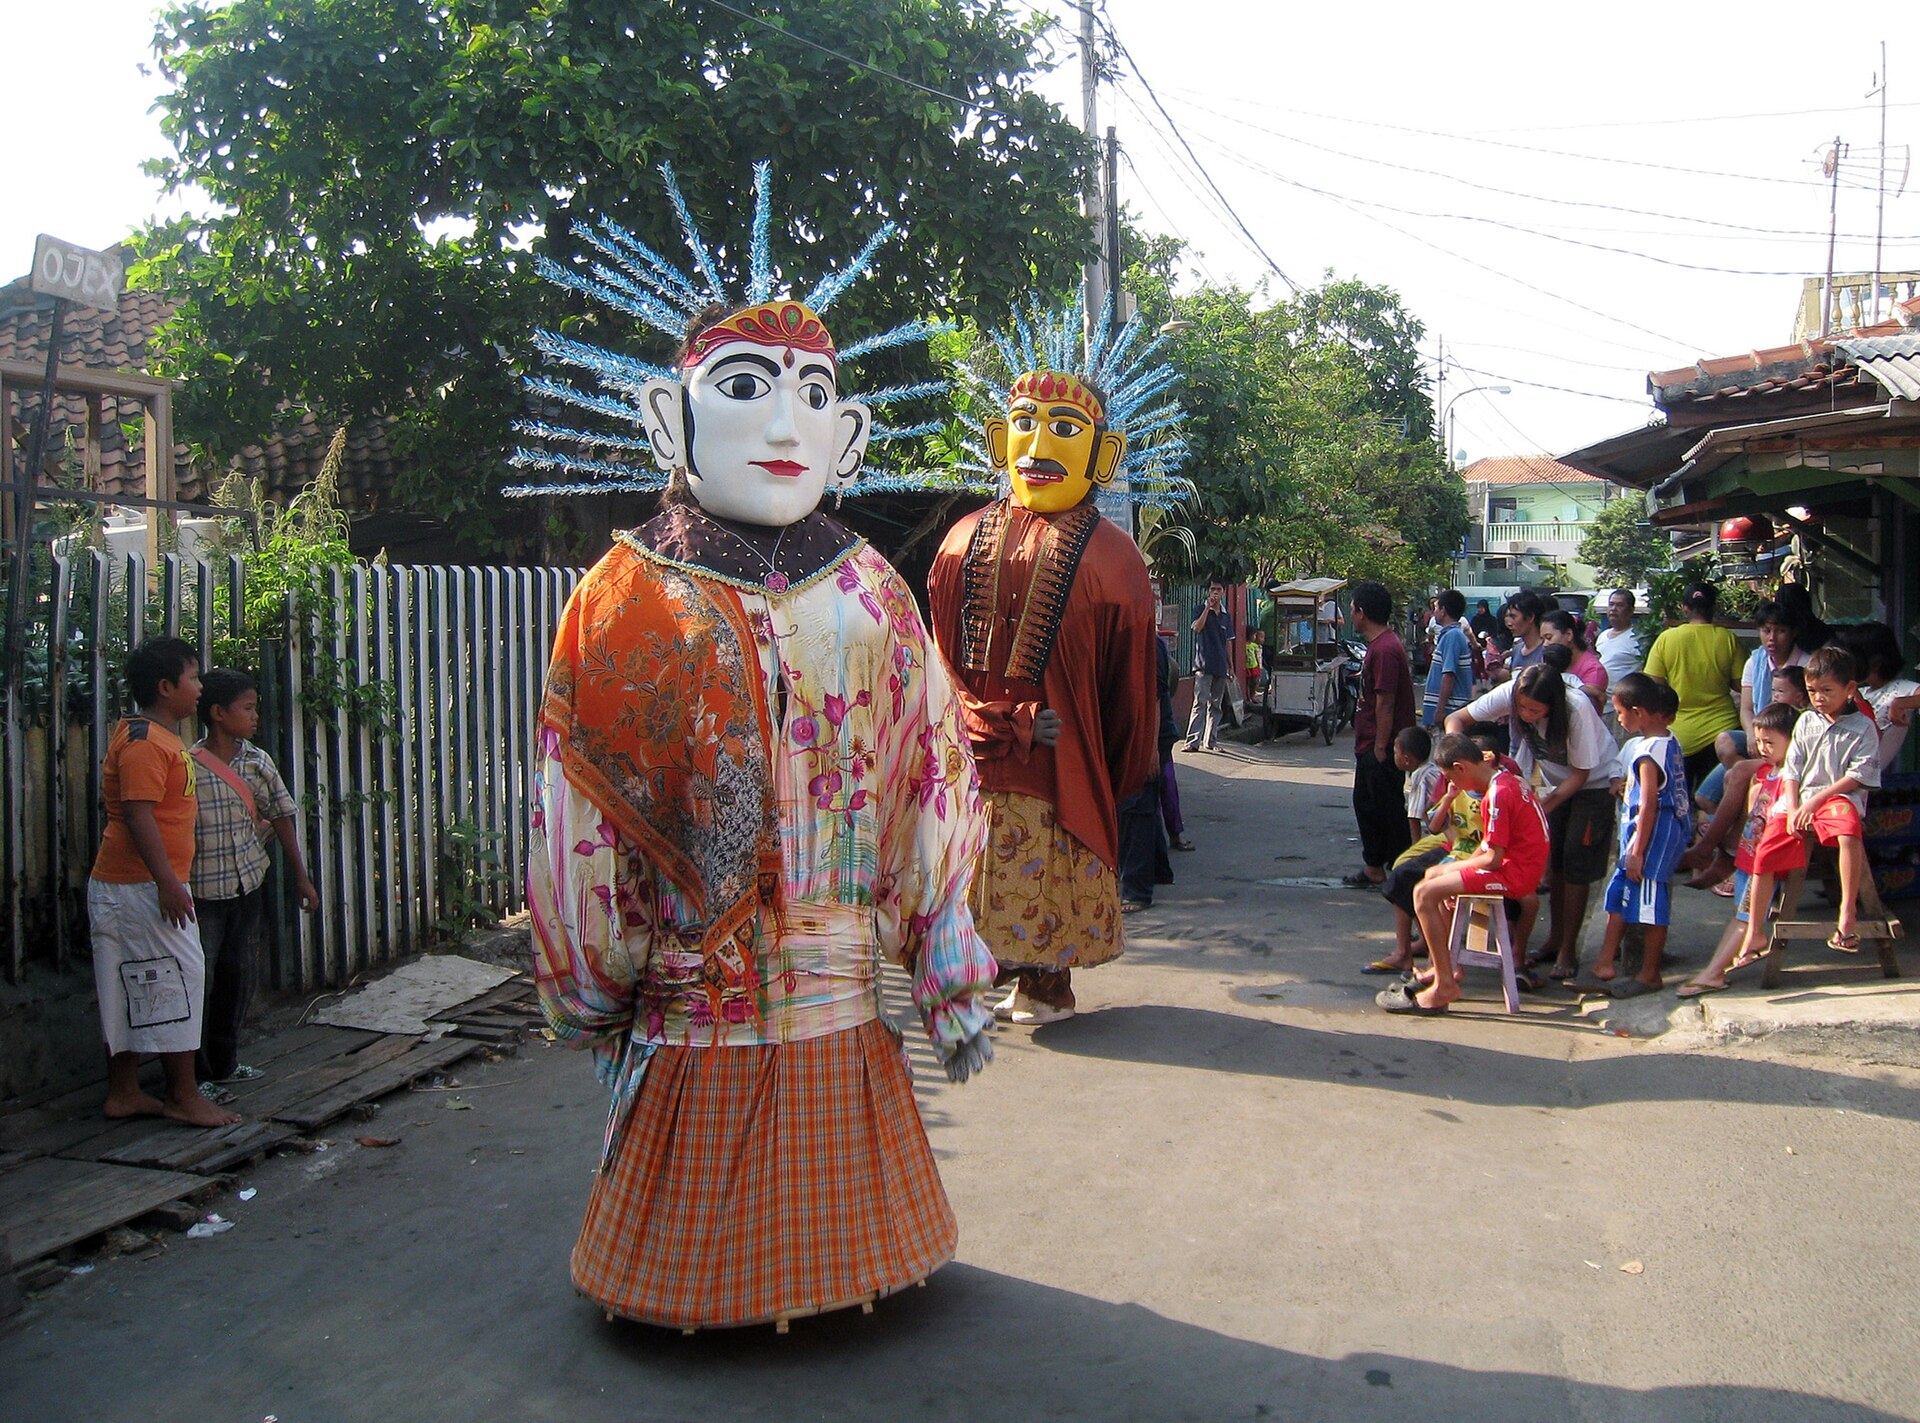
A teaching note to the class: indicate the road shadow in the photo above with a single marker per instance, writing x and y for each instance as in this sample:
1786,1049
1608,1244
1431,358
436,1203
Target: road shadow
1435,1065
989,1345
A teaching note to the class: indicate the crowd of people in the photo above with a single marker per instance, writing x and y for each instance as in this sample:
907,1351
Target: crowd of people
1543,756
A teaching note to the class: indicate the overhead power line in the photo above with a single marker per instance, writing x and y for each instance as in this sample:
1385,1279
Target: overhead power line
1445,177
1543,385
1548,152
1462,257
1114,39
1697,119
799,38
1514,227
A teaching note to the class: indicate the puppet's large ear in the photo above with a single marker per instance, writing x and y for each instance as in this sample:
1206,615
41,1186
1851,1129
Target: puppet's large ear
1107,455
855,427
996,432
660,414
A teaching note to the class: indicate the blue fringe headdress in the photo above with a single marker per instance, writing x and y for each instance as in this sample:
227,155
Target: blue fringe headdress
630,277
1136,391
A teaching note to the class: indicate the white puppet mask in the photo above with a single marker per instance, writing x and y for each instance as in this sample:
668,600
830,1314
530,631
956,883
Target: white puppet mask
755,420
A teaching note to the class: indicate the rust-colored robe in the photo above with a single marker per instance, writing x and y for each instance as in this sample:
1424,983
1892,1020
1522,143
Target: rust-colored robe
1098,673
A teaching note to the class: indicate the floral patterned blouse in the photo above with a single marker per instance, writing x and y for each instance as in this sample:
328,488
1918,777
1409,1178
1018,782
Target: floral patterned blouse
876,816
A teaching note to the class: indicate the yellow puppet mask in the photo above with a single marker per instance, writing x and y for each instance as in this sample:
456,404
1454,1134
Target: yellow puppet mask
1054,445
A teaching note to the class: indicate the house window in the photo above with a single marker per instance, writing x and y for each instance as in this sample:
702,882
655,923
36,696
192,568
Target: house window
1503,511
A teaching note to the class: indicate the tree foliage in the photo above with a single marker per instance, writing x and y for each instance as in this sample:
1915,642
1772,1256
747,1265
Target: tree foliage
1621,546
1311,431
378,170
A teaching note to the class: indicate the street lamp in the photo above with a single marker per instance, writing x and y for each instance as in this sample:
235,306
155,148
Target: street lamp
1446,415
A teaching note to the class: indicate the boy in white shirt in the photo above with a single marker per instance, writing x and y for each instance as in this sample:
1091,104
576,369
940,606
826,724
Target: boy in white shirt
1834,759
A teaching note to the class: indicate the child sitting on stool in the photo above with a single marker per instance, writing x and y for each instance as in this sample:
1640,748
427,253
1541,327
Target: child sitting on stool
1834,758
1509,863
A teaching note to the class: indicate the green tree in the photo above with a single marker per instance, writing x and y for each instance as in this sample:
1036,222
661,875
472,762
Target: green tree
1310,430
1621,546
377,172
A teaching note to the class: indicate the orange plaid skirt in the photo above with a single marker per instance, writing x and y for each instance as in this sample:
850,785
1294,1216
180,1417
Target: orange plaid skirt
752,1183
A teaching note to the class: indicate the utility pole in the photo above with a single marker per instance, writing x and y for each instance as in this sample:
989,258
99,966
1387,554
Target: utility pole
1832,166
1880,210
1440,403
1097,276
1112,234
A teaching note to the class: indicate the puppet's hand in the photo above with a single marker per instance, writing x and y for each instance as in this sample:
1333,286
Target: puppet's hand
1046,727
969,1057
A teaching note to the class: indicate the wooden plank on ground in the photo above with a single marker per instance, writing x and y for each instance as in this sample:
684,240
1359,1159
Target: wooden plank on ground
205,1153
378,1080
512,991
272,1096
49,1203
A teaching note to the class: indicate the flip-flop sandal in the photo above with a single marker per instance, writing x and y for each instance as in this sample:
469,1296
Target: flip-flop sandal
1564,975
1133,906
1631,988
1382,966
1590,985
1845,943
1531,983
1724,889
1360,881
1699,990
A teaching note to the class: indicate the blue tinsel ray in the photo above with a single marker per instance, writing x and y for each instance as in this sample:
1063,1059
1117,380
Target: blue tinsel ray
630,476
893,394
608,364
906,432
566,434
672,281
759,256
702,258
650,273
902,335
660,313
600,404
830,287
651,310
636,484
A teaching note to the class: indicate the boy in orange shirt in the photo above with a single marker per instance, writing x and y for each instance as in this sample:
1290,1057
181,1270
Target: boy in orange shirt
147,963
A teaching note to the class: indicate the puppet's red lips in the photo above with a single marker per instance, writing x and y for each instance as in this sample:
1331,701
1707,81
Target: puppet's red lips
1041,472
786,469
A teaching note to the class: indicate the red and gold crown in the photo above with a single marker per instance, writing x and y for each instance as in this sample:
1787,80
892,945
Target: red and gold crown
1053,385
772,323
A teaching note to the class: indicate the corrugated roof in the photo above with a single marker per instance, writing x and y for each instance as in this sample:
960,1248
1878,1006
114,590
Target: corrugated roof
1524,469
1893,362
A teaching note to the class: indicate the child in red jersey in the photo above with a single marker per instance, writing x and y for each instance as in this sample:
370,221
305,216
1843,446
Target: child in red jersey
1511,858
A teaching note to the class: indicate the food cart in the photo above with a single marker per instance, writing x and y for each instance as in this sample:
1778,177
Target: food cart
1306,690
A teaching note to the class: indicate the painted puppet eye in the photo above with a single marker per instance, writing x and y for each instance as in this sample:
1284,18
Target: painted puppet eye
1064,429
816,395
742,385
1025,424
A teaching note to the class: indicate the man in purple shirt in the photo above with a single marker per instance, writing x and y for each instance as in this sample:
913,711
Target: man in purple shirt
1386,708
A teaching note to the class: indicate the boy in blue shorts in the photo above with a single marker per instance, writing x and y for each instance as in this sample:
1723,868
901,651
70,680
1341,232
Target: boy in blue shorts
1653,833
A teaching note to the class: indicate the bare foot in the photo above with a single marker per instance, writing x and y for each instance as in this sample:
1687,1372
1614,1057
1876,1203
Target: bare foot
197,1111
139,1104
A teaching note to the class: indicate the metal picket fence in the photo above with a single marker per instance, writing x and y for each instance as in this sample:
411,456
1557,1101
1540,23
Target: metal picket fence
409,818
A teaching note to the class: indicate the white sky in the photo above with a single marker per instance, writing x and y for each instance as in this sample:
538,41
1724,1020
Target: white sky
1254,83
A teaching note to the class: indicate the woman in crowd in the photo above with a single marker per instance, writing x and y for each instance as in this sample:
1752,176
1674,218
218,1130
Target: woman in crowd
1564,736
1701,661
1568,631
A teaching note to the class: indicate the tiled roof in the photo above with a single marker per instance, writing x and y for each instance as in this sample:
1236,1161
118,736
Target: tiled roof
119,340
1817,367
1524,469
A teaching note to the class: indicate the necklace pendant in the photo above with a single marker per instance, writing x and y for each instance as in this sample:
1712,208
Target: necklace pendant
776,582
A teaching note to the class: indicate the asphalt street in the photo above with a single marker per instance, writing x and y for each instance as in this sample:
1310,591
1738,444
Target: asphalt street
1229,1189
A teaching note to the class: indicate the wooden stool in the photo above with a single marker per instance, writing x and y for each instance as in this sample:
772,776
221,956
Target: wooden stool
1879,928
1485,916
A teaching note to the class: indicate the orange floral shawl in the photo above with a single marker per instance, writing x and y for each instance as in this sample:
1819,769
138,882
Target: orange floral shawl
656,695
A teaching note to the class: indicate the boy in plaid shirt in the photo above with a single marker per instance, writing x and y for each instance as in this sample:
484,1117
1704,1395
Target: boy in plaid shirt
241,800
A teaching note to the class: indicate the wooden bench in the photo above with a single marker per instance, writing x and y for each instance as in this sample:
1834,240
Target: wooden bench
1876,927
